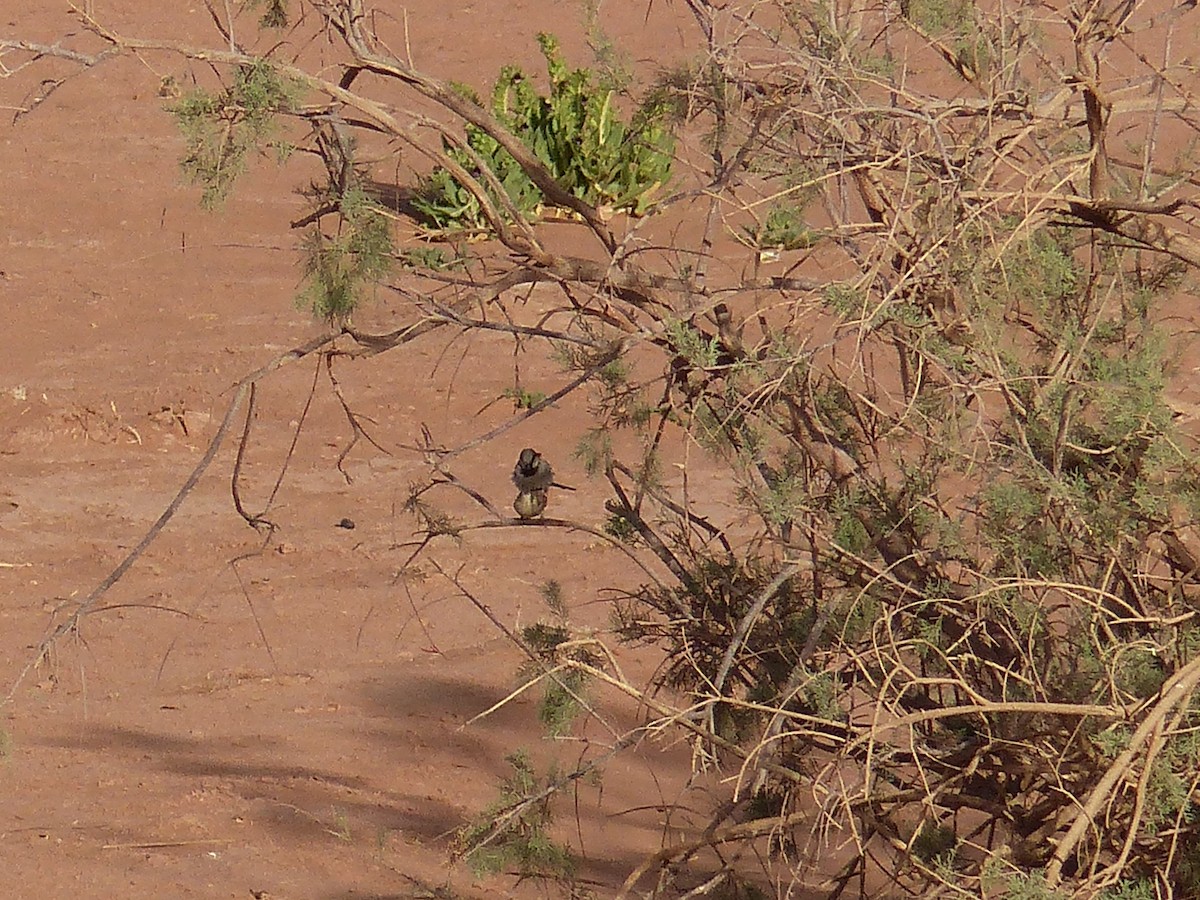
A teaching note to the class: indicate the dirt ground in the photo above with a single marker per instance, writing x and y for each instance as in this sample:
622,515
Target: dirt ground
294,723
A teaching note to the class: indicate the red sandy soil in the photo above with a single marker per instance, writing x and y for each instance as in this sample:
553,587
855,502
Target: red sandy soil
294,724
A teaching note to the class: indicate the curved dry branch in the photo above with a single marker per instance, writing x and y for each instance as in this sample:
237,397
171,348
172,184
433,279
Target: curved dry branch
48,86
88,605
1178,690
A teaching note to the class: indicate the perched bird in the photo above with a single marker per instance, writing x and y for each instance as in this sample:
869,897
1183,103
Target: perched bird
530,504
533,473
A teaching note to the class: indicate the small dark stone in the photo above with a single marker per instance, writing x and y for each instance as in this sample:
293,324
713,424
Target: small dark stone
348,524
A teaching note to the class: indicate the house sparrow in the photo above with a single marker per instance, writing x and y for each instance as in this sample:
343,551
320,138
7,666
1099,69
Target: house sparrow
533,473
530,504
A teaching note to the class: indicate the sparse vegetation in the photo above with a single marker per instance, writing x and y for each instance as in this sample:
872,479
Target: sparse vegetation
512,835
945,616
222,128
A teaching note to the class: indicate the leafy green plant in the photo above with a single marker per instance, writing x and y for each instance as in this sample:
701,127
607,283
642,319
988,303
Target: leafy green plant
523,399
430,259
576,132
784,228
955,21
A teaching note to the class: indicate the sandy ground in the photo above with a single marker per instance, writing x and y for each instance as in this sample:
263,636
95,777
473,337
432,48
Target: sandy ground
289,723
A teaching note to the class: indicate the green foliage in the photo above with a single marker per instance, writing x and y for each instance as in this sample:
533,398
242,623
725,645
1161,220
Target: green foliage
432,520
716,593
845,300
1017,523
560,706
1112,741
1030,886
431,259
822,695
619,526
274,12
613,63
1038,273
688,342
575,131
783,229
552,596
1139,671
849,532
933,844
787,491
523,399
1186,870
1168,791
1008,534
221,129
953,19
513,833
1131,889
938,15
594,450
553,645
339,268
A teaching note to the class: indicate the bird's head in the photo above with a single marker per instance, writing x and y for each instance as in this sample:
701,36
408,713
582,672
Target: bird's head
528,459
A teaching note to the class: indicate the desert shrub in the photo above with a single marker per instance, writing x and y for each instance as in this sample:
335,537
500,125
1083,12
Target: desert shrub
576,131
